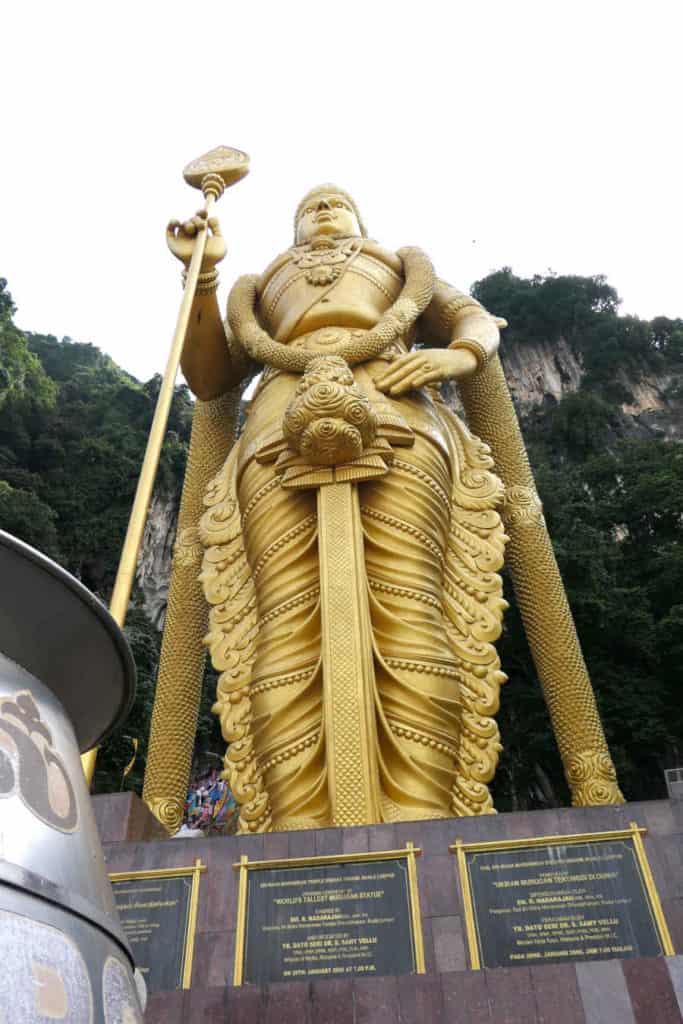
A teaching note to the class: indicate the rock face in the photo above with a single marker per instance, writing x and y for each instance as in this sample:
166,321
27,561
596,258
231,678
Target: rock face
537,371
154,564
657,404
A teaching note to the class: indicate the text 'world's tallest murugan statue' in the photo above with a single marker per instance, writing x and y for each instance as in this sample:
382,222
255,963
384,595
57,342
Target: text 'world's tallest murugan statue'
352,539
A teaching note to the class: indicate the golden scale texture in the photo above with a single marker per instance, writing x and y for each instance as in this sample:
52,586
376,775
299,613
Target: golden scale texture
542,600
361,346
181,667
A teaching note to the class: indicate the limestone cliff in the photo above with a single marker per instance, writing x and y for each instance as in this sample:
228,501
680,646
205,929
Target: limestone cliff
539,373
154,564
657,403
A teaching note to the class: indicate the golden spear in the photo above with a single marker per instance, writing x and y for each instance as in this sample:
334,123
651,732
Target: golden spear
212,173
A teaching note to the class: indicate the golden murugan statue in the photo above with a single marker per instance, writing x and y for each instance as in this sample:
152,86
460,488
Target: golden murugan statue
351,541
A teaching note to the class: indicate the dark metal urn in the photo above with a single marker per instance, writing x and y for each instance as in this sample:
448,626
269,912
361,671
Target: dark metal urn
66,680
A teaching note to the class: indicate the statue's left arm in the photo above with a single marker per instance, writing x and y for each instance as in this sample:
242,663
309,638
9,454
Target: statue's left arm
467,337
458,321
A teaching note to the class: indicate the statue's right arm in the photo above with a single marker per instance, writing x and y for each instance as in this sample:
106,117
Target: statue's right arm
211,360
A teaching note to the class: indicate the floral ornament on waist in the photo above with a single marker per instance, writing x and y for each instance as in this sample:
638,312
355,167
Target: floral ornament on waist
324,259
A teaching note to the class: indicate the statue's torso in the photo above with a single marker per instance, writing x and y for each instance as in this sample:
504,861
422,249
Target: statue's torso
357,281
347,283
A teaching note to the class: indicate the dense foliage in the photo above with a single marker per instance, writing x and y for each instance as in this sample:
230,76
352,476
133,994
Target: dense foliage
73,427
583,311
73,430
613,499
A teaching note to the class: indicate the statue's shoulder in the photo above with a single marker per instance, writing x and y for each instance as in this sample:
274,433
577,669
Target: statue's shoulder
277,264
390,259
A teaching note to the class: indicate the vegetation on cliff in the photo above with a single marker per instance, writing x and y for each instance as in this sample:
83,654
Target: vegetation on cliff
613,500
73,430
73,427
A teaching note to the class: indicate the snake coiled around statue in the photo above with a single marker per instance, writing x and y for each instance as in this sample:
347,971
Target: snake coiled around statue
414,298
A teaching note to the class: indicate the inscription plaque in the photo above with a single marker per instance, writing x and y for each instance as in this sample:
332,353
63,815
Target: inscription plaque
158,911
561,898
328,917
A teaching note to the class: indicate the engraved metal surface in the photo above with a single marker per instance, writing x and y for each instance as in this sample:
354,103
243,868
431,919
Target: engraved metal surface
63,866
119,997
58,922
53,627
555,899
49,979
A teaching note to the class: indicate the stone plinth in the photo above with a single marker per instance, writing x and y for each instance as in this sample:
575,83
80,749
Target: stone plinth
124,818
606,992
573,993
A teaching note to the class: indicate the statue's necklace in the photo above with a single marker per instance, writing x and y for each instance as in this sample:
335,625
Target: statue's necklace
324,259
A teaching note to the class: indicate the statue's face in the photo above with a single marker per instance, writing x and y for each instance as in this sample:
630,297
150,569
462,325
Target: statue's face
326,213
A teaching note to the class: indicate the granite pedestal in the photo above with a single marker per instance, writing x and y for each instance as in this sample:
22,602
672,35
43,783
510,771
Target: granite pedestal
619,991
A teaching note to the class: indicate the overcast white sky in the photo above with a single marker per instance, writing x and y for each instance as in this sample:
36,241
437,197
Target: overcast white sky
530,134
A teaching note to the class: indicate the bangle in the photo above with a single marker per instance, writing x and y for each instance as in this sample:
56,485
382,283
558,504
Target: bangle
207,283
475,347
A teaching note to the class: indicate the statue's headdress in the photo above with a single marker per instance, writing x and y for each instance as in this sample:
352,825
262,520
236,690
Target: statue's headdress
328,188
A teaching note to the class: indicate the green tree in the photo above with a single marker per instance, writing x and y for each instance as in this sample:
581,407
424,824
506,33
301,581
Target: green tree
73,429
26,516
615,520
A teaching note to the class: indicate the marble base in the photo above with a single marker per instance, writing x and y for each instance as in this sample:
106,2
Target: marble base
606,992
628,991
125,818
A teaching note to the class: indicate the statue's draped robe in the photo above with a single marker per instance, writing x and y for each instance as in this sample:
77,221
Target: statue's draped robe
433,543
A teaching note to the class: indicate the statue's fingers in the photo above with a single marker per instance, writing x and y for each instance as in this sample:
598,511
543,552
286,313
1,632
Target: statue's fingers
404,364
215,226
189,228
390,379
407,371
428,377
172,228
407,384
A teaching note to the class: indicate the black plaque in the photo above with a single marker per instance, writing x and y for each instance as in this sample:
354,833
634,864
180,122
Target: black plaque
155,914
329,920
561,902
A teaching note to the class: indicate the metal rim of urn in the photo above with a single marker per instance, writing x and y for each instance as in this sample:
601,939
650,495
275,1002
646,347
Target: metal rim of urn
55,629
64,899
67,678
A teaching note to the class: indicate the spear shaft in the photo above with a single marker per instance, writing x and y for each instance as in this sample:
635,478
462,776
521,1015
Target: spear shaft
211,173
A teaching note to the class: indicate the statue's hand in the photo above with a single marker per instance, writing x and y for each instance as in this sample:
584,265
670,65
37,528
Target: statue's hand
180,240
425,366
